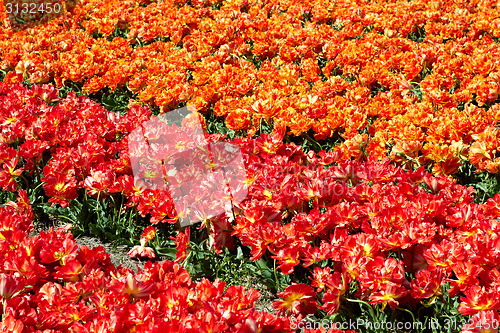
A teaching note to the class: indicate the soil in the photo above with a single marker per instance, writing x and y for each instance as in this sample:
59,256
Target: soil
118,254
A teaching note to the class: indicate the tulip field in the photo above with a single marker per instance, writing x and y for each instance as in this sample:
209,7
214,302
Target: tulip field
336,167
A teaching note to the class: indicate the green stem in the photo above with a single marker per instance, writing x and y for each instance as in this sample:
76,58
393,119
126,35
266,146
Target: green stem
370,308
278,283
313,140
411,313
4,305
37,172
65,217
97,210
31,194
185,262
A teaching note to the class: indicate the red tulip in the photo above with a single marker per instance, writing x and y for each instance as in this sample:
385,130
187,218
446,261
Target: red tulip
297,300
10,285
140,251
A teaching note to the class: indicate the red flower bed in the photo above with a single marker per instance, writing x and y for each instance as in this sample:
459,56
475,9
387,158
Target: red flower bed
368,230
50,284
398,236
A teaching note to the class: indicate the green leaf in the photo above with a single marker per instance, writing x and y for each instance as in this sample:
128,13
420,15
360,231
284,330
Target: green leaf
239,253
262,264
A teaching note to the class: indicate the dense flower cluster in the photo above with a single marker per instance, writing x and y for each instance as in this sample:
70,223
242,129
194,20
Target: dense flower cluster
414,82
374,224
76,146
398,235
420,76
48,283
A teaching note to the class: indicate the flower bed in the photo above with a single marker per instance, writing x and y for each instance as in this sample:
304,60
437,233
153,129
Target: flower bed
369,138
48,283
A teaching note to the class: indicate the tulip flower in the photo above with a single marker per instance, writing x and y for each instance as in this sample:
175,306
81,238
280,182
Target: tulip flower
298,300
141,251
9,285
